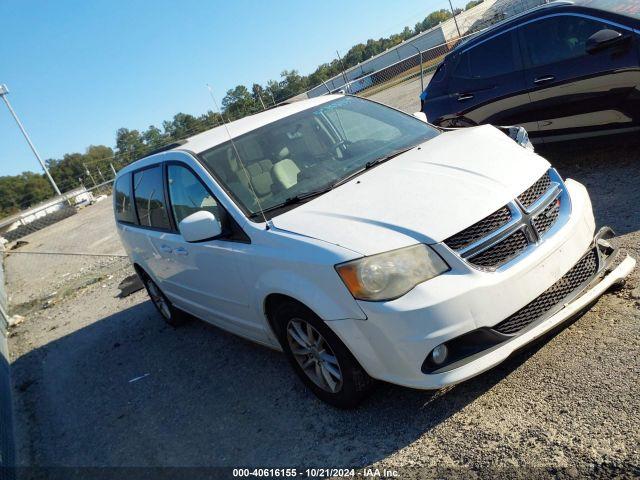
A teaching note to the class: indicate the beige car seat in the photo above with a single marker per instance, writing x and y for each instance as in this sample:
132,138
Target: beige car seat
286,173
256,174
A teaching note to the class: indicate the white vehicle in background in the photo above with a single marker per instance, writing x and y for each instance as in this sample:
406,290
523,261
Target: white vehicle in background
364,243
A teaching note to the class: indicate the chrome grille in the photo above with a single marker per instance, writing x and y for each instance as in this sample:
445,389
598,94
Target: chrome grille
582,272
535,191
480,229
502,252
547,217
507,232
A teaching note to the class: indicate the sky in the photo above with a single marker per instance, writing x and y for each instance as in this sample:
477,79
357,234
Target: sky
79,70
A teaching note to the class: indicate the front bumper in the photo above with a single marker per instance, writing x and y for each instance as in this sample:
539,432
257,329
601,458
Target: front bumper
397,337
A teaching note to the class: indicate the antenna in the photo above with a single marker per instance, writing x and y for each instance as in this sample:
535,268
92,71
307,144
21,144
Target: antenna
235,149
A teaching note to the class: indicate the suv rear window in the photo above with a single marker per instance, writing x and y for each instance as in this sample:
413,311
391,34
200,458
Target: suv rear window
123,202
148,191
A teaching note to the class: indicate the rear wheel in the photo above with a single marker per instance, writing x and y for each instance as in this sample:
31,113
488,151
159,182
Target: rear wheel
170,314
319,357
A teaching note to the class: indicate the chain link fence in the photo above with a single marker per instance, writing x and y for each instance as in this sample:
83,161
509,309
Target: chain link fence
395,77
404,71
6,415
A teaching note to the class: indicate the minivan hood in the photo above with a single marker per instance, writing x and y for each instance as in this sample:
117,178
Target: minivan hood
422,196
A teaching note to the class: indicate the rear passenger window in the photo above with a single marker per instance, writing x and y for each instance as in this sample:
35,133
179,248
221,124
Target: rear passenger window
489,59
149,197
188,195
123,201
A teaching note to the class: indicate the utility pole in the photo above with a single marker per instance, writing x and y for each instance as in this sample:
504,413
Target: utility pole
454,19
3,93
101,176
113,170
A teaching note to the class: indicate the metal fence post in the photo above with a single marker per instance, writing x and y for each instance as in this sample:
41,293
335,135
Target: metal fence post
89,174
421,70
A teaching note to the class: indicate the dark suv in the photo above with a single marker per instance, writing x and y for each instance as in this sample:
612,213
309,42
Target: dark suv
565,70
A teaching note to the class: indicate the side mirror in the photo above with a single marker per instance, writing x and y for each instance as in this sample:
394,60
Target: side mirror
421,116
518,135
603,39
199,226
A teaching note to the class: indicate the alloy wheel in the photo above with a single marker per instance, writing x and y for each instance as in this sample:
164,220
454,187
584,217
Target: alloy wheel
158,299
314,355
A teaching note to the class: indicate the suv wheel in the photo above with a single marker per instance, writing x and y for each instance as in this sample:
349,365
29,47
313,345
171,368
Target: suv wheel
170,314
320,359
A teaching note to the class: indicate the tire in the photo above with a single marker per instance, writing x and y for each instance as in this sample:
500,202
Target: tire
169,313
328,359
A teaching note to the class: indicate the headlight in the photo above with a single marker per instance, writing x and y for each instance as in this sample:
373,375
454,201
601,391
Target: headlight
392,274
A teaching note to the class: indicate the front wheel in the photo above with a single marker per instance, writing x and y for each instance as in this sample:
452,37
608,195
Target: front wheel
320,359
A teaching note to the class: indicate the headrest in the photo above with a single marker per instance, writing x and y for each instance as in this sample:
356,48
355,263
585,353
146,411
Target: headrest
283,153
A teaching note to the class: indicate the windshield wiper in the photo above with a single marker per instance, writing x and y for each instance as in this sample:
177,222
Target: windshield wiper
371,164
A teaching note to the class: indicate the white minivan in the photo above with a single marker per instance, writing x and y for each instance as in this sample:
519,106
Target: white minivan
364,243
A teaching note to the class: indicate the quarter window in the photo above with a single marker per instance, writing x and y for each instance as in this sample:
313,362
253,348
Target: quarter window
489,59
123,202
149,196
557,39
188,195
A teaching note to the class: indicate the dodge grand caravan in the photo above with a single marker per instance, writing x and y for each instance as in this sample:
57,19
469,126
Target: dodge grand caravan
364,243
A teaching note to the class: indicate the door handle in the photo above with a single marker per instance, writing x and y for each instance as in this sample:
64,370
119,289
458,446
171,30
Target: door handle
464,96
546,79
165,249
181,251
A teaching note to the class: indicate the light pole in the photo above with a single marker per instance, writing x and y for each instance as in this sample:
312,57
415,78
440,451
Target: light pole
3,93
453,12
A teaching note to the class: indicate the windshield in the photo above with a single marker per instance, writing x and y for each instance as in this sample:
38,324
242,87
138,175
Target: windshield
311,151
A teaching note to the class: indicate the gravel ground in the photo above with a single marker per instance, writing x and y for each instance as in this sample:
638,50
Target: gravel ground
404,96
565,407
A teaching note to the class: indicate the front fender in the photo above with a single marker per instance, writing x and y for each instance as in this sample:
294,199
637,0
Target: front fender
325,294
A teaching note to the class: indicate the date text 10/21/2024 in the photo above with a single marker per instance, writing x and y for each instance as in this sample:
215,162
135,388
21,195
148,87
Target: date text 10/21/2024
316,472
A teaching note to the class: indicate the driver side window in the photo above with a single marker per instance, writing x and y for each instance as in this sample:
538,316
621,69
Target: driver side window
557,39
188,195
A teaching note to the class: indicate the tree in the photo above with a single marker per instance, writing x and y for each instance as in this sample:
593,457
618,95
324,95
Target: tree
238,102
20,191
183,125
129,145
435,18
472,4
153,137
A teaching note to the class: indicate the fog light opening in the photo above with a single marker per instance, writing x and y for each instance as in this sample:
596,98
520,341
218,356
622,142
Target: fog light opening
439,354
